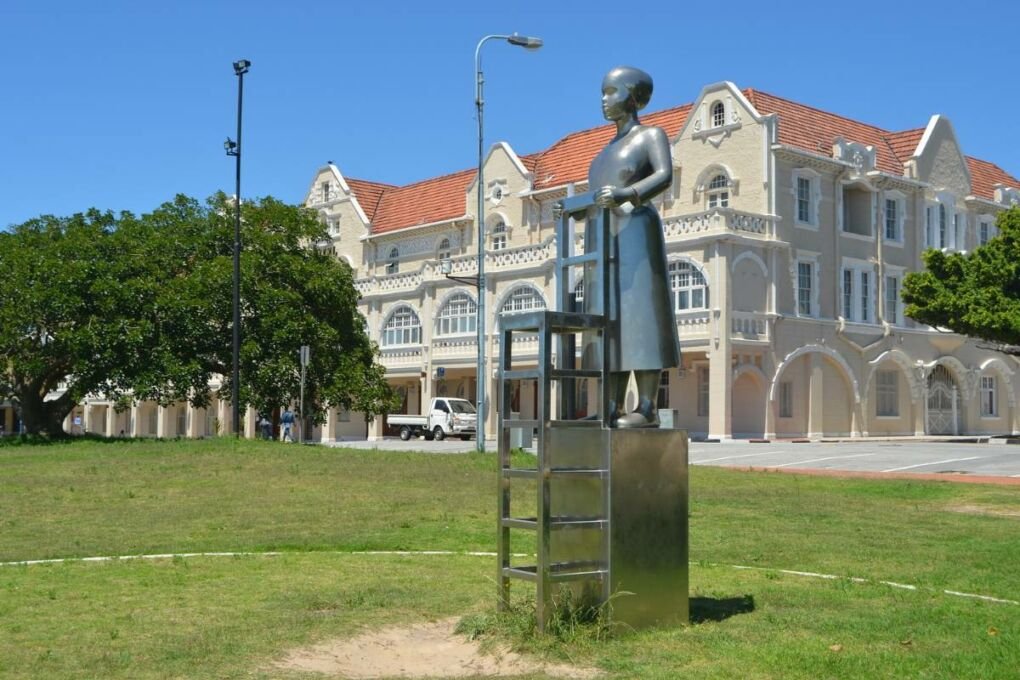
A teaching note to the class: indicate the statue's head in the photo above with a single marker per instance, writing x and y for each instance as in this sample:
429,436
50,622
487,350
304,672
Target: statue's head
634,81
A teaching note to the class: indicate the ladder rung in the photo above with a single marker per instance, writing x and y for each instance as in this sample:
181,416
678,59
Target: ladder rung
558,523
565,373
521,424
532,473
560,571
574,260
522,374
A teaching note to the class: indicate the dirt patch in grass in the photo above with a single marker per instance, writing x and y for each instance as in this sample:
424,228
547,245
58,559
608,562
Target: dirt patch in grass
983,510
425,650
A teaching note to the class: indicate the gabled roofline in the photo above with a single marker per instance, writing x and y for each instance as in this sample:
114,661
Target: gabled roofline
344,186
514,158
929,131
725,85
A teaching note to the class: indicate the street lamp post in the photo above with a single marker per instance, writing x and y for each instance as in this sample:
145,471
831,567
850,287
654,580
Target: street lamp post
528,43
234,149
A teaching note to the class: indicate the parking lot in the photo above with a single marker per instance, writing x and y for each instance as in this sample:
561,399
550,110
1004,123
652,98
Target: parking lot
992,458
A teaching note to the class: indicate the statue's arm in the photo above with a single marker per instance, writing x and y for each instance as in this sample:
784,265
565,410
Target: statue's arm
662,168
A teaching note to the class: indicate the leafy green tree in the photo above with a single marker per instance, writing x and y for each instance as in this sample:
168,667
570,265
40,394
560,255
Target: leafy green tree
140,308
976,294
60,316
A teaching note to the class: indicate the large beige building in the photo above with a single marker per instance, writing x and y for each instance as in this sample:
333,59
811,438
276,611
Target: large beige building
788,232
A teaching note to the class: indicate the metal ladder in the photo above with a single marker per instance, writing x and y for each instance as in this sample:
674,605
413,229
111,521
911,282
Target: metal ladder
550,472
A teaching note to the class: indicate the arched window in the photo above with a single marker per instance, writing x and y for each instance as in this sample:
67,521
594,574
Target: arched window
718,192
457,316
688,285
718,114
393,261
522,299
499,235
402,328
443,252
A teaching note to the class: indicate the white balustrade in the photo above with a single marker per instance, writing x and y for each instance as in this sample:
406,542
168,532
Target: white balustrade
749,326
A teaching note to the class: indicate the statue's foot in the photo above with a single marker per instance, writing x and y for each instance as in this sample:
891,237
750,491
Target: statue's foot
636,419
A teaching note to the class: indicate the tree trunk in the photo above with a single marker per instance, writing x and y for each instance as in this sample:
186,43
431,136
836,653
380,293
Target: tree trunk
44,417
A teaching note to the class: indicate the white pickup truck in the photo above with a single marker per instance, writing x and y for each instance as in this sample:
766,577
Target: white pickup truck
445,418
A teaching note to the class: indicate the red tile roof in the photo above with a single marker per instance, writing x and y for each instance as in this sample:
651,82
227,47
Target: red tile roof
800,126
904,144
431,200
984,176
368,194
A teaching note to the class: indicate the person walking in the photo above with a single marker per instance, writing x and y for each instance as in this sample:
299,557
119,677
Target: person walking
287,420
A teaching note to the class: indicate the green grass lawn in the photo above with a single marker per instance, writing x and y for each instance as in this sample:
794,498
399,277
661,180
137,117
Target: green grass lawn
223,617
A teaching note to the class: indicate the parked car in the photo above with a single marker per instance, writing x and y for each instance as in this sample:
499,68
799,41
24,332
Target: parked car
444,418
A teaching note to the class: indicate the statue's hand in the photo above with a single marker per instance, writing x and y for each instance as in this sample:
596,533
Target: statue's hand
611,197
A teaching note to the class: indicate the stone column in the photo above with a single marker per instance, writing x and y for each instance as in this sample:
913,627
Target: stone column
375,429
720,355
249,423
133,425
329,428
111,421
816,396
162,416
86,417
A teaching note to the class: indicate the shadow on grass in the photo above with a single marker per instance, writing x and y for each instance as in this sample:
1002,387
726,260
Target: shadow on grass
704,609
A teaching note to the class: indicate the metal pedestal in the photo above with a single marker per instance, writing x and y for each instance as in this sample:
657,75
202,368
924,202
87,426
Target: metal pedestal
610,508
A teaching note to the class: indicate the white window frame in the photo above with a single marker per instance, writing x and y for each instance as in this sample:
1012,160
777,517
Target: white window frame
959,240
402,328
861,293
900,201
894,274
814,199
984,231
393,261
811,259
715,112
522,299
989,397
686,282
444,249
717,193
498,235
457,316
887,393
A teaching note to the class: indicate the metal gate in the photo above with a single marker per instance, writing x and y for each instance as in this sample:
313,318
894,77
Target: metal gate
943,402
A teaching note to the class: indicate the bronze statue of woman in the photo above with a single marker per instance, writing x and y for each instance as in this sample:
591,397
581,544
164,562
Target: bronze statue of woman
631,170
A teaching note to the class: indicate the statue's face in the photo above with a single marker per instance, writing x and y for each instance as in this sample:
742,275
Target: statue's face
615,99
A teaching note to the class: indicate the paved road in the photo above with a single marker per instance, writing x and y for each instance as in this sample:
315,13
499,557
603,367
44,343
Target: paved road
906,456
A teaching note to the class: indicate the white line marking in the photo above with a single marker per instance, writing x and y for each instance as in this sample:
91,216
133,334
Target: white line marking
746,455
937,462
815,460
451,553
857,579
1014,476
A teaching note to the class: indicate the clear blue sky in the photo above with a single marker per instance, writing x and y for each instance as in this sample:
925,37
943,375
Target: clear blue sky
122,105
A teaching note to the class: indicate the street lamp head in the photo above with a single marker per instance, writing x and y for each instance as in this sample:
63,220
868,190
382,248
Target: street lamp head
526,41
445,266
241,66
230,146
